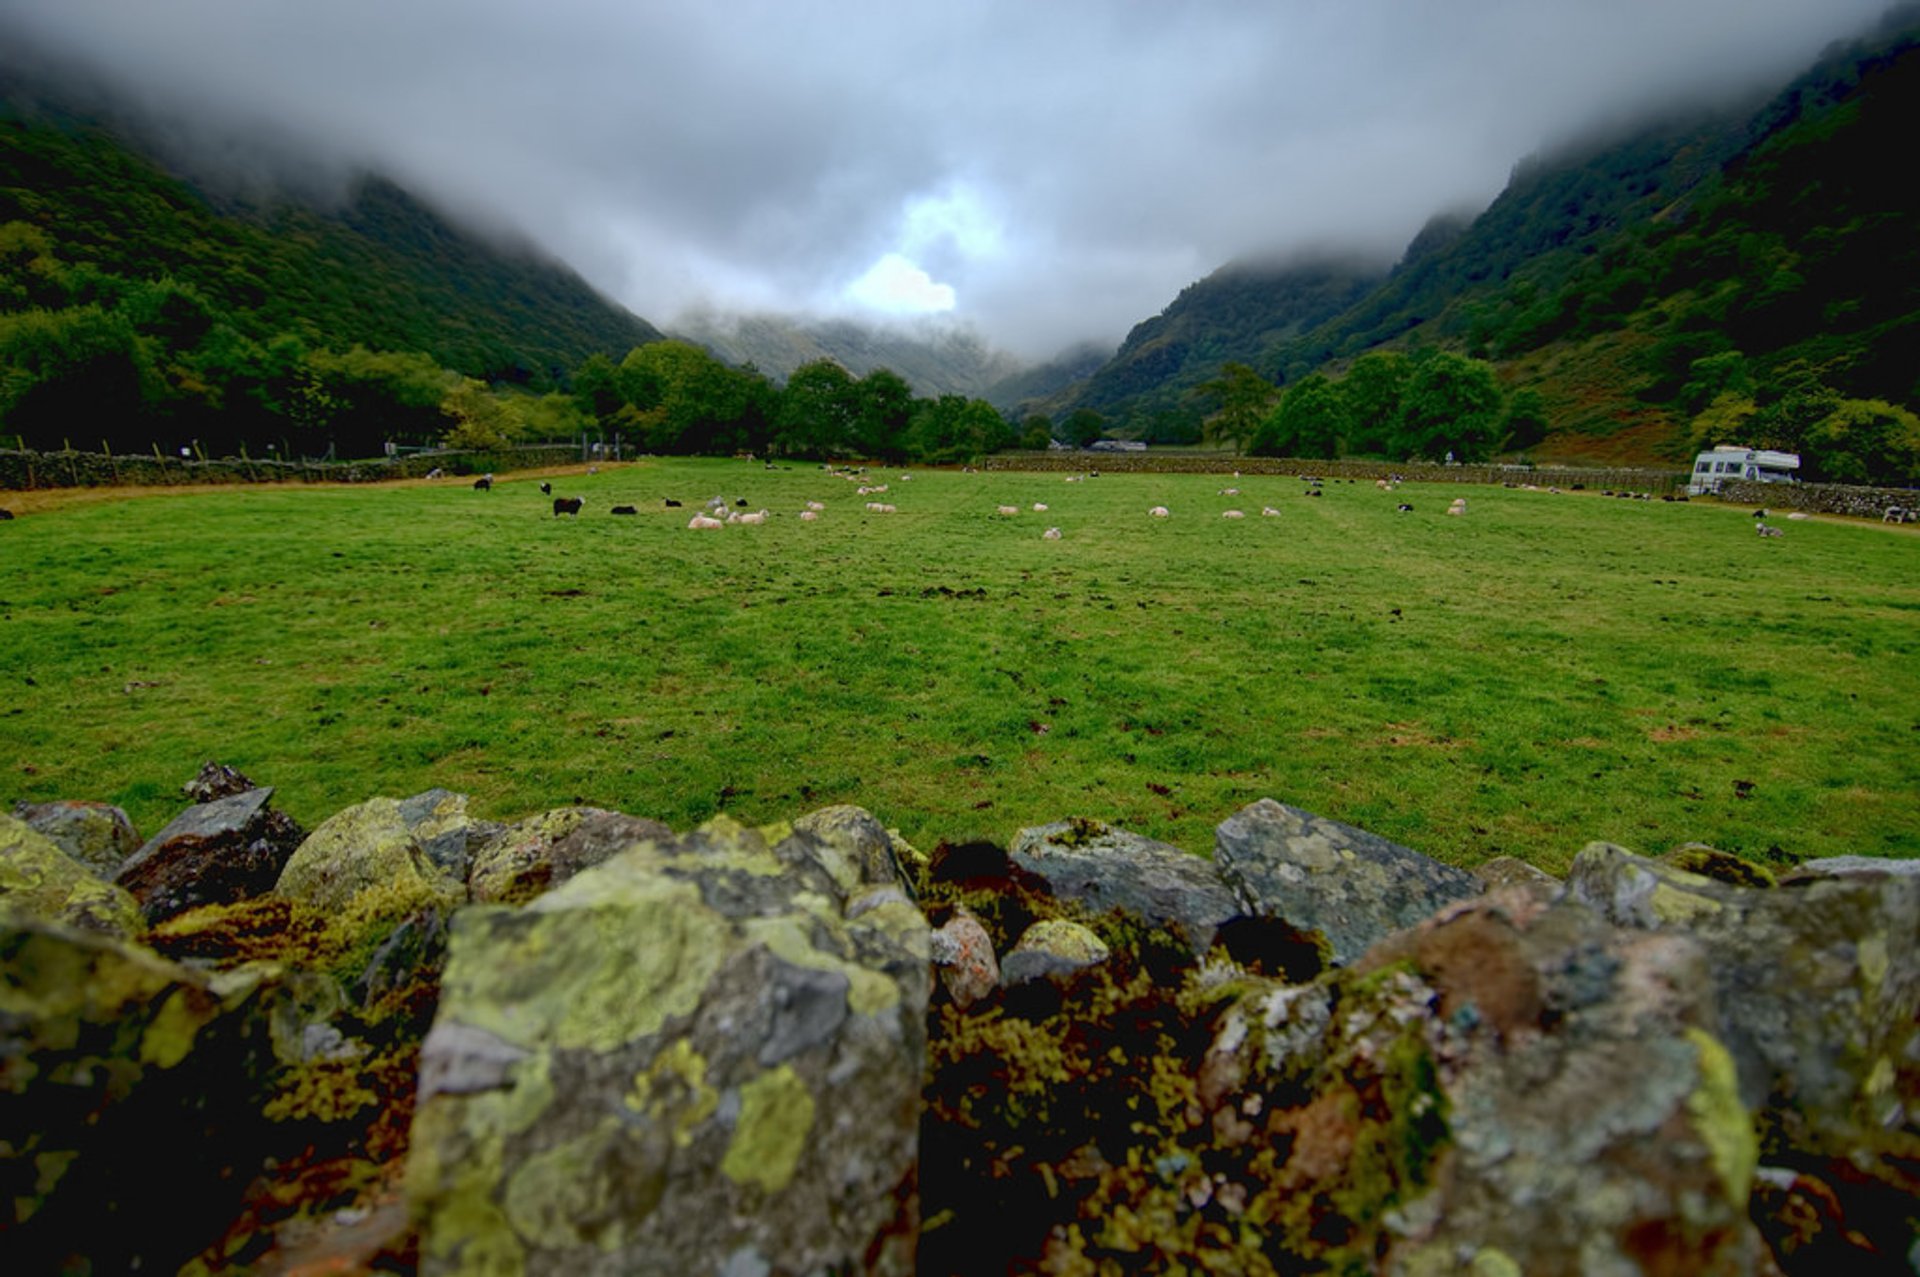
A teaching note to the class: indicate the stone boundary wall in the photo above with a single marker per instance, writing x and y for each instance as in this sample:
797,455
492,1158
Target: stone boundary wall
1651,481
21,471
1819,498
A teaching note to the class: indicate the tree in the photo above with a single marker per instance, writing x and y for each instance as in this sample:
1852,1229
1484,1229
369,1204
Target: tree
1036,433
1373,388
678,398
954,428
1865,441
1526,422
1084,427
1452,405
819,412
1242,397
1310,421
886,413
477,418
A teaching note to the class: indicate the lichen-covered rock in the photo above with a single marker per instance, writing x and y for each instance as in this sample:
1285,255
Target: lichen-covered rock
382,846
1852,866
216,852
98,835
1353,887
215,781
1052,947
963,952
130,1098
1103,868
1818,996
1721,866
40,880
685,1059
856,848
519,862
1503,872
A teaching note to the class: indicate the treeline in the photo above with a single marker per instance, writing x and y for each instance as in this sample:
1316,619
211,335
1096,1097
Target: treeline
1436,405
96,358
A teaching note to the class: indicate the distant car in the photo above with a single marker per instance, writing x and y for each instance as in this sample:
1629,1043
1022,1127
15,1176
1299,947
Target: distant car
1730,461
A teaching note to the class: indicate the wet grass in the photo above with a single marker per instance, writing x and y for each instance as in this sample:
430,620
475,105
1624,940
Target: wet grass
1545,671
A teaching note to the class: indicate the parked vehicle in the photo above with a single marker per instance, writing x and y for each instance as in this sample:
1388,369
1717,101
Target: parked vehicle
1731,461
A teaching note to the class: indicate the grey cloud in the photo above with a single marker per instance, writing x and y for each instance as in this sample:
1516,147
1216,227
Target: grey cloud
762,153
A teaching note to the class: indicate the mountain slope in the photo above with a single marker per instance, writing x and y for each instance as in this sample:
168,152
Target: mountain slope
934,359
381,270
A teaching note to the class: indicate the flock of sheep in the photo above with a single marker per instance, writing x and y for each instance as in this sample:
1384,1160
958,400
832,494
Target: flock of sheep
718,512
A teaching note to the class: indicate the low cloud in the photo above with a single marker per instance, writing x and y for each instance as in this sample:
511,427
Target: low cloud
1045,173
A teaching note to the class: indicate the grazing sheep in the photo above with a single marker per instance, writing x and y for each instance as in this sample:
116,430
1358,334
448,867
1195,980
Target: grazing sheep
1229,492
483,484
1009,510
1404,508
808,516
566,505
816,505
546,489
758,516
1766,531
672,504
1051,534
702,523
1798,515
1268,512
742,503
1159,512
5,514
1456,509
1233,514
1311,492
880,507
1759,514
1900,514
623,509
1039,507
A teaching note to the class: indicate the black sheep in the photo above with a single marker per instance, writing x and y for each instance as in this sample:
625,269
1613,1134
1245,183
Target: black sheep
672,504
546,489
623,509
483,484
566,505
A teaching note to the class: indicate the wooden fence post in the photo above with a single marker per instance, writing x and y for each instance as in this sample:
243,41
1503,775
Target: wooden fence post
112,466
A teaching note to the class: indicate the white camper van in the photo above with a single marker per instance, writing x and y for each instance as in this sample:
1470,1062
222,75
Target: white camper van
1730,461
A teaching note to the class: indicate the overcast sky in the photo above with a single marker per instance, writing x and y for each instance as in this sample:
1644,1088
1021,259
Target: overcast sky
1045,170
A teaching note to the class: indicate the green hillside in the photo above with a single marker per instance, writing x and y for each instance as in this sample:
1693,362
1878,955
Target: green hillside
132,301
1698,278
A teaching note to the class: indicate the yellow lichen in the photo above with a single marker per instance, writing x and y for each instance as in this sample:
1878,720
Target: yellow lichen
776,1116
676,1085
169,1035
1721,1119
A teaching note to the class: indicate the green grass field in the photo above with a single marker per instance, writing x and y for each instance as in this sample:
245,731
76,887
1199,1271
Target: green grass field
1545,671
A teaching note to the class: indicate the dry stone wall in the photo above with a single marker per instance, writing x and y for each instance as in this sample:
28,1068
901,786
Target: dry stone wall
22,471
1820,498
1637,480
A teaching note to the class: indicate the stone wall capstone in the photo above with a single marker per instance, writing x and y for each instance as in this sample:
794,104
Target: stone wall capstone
1819,498
22,471
1637,480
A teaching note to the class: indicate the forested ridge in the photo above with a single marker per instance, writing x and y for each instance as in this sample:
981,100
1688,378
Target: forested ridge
1747,273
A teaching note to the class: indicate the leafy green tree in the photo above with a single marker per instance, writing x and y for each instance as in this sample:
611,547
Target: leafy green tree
478,418
1310,421
30,275
886,413
597,388
1242,398
819,411
1725,420
954,428
1374,387
1036,433
1452,405
1083,427
678,398
1526,422
1711,376
81,366
363,399
1866,441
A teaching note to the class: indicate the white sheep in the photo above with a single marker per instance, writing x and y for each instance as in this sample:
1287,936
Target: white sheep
1456,509
1009,510
1233,514
1039,507
1229,492
880,507
758,516
702,523
1158,512
808,516
816,505
1268,512
1051,534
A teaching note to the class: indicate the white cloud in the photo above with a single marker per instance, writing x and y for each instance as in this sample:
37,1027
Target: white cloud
895,286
